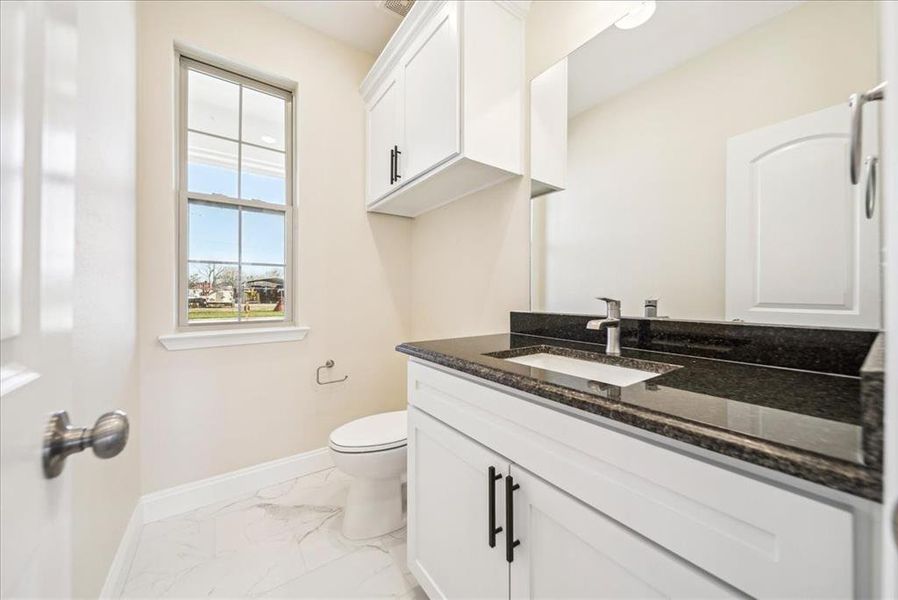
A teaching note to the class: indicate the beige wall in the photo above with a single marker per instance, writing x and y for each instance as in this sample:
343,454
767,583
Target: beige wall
210,411
469,263
104,492
646,168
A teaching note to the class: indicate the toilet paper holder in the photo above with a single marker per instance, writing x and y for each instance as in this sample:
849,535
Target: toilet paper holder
328,365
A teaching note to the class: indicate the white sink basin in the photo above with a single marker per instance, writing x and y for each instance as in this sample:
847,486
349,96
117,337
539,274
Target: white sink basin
587,369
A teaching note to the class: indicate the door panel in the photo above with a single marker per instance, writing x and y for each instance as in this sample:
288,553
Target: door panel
39,45
431,97
799,248
67,341
383,133
569,550
448,546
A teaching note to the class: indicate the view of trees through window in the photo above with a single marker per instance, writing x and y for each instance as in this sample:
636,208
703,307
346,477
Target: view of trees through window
213,292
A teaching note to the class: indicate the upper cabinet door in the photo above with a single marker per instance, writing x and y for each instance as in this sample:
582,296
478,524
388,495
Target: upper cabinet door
430,72
448,512
384,134
548,129
799,248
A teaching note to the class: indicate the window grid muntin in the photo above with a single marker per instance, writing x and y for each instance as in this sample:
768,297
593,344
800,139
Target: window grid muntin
187,64
227,139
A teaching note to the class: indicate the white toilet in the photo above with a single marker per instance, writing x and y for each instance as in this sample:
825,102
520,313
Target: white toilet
372,450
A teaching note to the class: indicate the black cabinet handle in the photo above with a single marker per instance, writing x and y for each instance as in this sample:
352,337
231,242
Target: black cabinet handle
492,478
510,542
392,166
396,154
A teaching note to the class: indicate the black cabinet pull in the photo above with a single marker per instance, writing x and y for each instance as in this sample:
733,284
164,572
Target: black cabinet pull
392,166
492,478
396,154
510,542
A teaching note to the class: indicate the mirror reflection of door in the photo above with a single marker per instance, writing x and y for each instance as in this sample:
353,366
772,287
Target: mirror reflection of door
800,249
656,116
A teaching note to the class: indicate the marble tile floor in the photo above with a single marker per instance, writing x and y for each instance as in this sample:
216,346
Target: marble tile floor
282,542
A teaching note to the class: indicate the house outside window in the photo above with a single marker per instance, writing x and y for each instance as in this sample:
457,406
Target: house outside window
235,199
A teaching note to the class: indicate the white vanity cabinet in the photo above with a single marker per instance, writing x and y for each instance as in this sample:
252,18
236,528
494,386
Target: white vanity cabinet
444,105
573,551
448,502
599,513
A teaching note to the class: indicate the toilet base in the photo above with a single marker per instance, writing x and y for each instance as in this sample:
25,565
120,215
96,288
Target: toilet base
373,508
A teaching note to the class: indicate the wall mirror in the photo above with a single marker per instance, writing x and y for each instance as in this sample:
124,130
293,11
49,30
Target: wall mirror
706,167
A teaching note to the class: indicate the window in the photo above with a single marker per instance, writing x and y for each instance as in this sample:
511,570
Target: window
236,198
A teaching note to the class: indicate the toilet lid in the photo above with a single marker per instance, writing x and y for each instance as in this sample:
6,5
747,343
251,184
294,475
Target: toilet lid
369,434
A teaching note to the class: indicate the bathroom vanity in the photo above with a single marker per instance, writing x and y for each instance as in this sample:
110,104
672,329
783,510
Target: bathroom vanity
719,432
706,478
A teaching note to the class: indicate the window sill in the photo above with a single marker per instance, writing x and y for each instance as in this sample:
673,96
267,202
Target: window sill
216,338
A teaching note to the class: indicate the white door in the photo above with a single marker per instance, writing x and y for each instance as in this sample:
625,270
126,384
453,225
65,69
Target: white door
384,135
799,248
569,550
36,263
430,105
67,160
448,512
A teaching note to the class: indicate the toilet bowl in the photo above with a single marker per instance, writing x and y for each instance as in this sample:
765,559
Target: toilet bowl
372,451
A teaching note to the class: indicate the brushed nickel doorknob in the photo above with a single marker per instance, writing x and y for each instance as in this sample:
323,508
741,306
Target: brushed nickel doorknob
107,437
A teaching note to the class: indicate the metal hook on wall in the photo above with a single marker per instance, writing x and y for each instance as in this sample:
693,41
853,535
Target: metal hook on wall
328,365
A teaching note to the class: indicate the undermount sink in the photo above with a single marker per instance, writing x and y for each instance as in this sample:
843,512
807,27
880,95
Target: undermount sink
594,367
586,369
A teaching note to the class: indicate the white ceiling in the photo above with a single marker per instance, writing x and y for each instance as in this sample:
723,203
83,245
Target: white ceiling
617,59
362,24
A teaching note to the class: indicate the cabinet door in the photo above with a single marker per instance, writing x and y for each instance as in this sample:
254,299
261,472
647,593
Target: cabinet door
383,134
548,128
569,550
431,96
448,512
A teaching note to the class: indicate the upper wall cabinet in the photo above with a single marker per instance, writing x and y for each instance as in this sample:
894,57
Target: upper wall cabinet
444,107
548,130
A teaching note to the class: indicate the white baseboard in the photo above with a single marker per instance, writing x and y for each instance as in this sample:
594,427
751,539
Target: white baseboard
121,562
183,498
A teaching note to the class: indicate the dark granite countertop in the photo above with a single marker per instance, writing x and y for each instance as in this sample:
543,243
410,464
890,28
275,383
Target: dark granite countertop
803,423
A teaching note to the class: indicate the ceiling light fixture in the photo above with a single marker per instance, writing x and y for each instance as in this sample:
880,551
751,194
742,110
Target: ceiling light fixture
637,15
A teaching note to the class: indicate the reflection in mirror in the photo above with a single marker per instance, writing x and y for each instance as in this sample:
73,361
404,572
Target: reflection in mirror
211,164
263,119
263,175
213,105
707,169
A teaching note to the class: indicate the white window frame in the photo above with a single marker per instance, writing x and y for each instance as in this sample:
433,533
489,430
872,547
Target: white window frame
184,197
